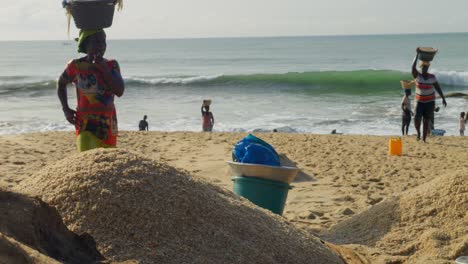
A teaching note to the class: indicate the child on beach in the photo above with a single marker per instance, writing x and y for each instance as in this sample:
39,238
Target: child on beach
96,80
462,123
407,113
207,119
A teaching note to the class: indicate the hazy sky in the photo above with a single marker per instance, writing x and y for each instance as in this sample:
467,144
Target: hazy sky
45,19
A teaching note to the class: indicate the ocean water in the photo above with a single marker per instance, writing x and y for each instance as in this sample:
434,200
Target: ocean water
293,84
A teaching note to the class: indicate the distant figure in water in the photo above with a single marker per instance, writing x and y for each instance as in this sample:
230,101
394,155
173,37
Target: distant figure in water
426,85
462,123
207,119
407,113
335,133
143,125
431,125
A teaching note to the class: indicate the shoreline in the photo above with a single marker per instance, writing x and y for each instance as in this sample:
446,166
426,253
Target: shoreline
255,131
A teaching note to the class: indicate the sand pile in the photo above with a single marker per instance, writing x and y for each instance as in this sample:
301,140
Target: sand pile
141,209
427,224
33,232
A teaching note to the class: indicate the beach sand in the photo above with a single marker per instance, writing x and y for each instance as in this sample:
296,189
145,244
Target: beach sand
342,175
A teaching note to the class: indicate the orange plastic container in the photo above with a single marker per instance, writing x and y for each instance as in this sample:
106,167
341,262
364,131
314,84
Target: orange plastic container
395,147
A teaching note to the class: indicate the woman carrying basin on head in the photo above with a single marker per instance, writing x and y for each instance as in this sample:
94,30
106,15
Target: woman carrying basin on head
207,116
97,80
426,85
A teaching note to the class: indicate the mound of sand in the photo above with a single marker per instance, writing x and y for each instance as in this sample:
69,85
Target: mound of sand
426,224
33,232
140,209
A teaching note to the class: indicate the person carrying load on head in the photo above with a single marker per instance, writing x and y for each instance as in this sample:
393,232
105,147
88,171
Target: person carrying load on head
426,85
207,117
97,80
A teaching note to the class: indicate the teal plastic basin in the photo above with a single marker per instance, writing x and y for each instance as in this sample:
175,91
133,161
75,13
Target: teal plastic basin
267,194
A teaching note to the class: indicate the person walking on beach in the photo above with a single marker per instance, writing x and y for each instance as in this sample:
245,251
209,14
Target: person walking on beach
207,118
97,80
426,85
143,125
462,123
407,113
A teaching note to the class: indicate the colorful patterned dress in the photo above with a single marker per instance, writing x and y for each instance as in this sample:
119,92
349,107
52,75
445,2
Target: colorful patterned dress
96,119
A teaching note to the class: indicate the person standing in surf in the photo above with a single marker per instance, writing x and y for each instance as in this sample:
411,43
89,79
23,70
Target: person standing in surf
143,125
462,123
207,119
426,85
97,80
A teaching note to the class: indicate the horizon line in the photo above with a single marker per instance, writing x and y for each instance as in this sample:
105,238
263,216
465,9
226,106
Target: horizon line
252,37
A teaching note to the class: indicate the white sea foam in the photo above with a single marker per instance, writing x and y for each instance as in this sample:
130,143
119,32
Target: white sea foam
173,80
452,78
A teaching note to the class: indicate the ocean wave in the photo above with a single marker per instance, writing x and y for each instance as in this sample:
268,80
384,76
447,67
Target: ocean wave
184,80
339,81
452,78
14,85
325,78
360,78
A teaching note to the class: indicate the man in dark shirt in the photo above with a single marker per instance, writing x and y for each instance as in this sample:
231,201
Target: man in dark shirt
143,124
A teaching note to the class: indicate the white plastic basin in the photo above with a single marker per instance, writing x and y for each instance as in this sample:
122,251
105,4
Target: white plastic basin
281,174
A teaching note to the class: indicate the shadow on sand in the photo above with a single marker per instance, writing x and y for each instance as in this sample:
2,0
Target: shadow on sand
301,176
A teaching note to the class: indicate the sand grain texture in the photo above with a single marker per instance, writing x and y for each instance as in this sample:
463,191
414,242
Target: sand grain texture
141,209
30,230
14,252
427,224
